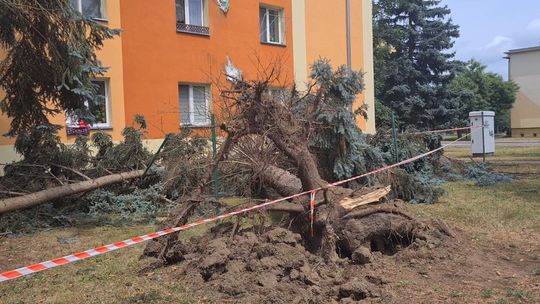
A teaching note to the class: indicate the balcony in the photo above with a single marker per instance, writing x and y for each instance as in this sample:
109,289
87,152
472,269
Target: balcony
192,29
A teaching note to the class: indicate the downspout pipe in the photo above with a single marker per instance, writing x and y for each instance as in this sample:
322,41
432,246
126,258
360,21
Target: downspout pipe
348,20
348,26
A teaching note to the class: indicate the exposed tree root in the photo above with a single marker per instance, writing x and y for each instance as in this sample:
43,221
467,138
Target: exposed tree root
362,212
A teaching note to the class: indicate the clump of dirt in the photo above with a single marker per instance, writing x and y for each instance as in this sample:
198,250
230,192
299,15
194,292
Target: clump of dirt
273,267
280,266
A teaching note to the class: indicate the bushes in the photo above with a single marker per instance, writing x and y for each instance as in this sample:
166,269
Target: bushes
485,176
185,160
47,163
418,181
129,154
139,205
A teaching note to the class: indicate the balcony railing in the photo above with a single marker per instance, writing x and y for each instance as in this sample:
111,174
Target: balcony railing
192,29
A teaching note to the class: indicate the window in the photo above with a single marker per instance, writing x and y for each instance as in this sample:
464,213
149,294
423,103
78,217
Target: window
279,93
271,25
190,16
99,107
193,105
90,8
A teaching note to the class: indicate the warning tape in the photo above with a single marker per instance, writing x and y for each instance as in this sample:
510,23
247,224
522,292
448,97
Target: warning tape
446,130
27,270
312,210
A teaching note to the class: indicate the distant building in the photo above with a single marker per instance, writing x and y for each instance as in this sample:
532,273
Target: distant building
524,69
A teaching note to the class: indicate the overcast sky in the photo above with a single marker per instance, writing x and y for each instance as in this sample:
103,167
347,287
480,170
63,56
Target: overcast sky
488,28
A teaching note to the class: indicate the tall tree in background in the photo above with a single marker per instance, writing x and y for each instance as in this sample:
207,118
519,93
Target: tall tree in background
484,91
50,61
413,64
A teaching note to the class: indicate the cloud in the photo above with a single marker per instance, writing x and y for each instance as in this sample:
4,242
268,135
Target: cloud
534,25
498,41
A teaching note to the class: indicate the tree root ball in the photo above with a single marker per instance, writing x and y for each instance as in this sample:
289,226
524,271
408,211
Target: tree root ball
276,265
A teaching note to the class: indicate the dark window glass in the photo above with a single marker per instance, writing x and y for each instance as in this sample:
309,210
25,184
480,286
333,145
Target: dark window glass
98,107
262,21
199,106
180,11
91,8
183,94
273,25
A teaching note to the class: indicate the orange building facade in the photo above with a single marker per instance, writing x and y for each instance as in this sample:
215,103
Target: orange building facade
172,54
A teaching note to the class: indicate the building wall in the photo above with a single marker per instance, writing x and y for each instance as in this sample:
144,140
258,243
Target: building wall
157,58
525,71
4,120
149,58
326,37
368,68
299,40
110,56
7,153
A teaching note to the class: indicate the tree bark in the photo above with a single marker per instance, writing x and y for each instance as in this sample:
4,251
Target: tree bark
282,181
33,199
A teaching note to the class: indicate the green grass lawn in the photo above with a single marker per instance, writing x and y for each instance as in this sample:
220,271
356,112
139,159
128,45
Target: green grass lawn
109,278
506,213
501,153
509,206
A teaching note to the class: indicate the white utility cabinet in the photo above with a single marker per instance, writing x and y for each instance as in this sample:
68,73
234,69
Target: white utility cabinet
482,139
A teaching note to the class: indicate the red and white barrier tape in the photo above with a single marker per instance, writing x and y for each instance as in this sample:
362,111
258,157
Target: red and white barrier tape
446,130
312,210
27,270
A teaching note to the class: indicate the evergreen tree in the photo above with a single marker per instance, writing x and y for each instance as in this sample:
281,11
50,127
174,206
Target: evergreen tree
413,64
49,63
340,146
484,91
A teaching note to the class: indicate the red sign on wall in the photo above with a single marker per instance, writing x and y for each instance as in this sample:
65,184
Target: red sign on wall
81,129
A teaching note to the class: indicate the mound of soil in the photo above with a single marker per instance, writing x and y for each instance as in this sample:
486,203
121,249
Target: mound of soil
280,266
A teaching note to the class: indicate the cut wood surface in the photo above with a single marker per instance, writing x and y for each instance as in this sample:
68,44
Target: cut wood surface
372,197
36,198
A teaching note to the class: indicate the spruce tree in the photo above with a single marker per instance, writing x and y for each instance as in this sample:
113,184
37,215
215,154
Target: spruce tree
413,62
49,63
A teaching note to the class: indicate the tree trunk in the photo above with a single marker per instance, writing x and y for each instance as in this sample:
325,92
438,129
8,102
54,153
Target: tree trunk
282,181
33,199
308,171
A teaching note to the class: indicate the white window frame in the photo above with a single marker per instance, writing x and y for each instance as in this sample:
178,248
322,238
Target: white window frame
108,115
103,4
187,12
281,33
191,114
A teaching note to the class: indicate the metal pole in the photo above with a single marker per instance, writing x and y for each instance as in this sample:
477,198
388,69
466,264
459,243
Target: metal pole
214,152
348,18
394,138
483,139
348,26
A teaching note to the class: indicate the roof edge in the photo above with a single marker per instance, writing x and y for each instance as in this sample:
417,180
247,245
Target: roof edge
523,50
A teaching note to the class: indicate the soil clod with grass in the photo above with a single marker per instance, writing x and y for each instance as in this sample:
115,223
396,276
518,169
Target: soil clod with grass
277,265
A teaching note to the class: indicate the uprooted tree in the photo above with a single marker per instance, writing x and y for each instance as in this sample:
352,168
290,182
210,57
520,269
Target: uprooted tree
294,139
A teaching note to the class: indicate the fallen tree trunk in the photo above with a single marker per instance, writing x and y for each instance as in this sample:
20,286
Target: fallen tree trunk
33,199
282,181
